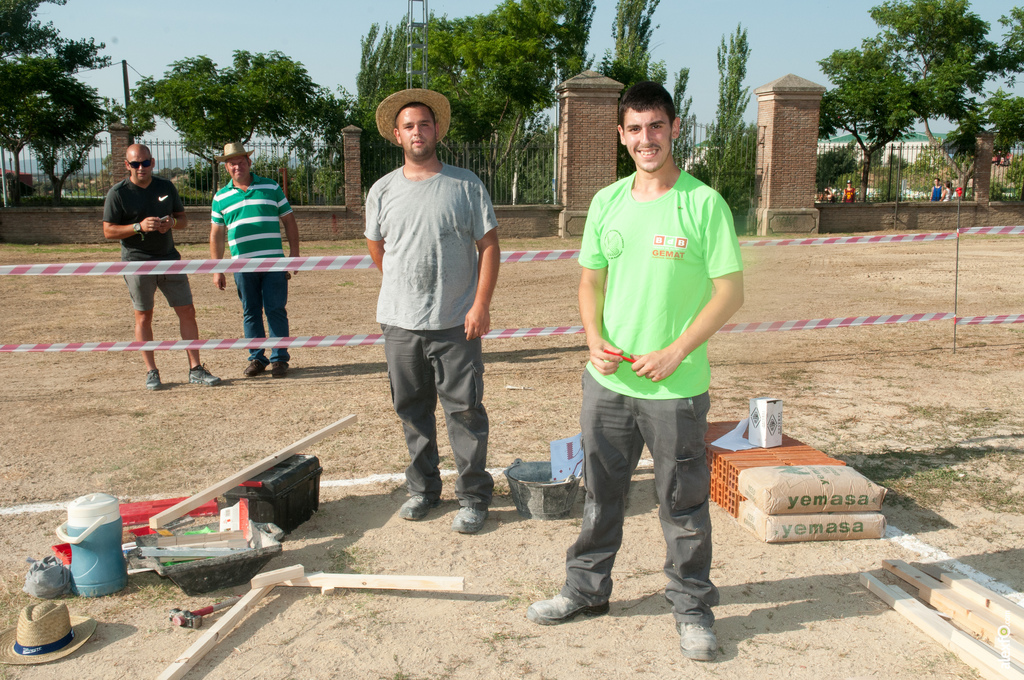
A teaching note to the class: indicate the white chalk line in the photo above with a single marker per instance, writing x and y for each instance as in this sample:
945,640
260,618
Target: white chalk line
892,534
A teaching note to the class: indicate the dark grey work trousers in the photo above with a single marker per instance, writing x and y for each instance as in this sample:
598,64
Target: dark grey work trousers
615,428
425,365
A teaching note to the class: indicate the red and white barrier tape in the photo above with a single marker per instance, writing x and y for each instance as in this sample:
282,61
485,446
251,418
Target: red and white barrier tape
985,320
851,240
267,264
335,262
816,324
498,334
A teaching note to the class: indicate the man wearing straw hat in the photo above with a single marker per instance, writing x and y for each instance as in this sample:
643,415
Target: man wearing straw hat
248,213
431,231
143,211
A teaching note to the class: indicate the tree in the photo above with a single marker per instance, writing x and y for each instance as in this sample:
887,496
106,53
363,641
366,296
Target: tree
942,51
571,50
381,70
682,148
630,62
36,67
835,164
730,146
260,94
869,99
66,122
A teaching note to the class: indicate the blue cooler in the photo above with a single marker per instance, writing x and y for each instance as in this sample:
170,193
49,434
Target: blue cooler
94,531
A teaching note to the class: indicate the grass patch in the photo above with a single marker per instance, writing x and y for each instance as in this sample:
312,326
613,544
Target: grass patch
972,477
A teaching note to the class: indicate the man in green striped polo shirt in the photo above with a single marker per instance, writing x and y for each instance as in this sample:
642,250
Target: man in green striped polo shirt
248,213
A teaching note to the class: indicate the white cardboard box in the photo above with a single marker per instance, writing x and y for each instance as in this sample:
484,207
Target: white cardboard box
765,426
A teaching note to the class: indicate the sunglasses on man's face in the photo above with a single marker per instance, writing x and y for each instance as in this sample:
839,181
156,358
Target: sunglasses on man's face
141,164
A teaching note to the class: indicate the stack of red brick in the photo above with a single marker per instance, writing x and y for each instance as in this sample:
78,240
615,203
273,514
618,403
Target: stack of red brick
726,465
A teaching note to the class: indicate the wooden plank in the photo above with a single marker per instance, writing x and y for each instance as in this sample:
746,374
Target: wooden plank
977,619
977,655
161,519
218,631
278,575
190,539
329,581
1003,607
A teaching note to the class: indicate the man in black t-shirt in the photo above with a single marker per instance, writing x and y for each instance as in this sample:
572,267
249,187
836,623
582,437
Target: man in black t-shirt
142,211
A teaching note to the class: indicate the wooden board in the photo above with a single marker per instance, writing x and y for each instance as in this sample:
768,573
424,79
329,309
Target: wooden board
1003,607
217,632
161,519
974,653
277,576
192,539
331,581
970,615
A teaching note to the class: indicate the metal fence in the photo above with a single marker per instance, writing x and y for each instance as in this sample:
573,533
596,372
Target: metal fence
725,161
900,171
1007,182
524,175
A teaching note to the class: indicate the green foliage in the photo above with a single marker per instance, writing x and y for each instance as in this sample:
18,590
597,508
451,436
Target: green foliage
683,147
835,166
630,63
267,95
41,102
571,51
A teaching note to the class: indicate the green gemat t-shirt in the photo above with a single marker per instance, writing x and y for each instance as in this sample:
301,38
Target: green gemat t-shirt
661,256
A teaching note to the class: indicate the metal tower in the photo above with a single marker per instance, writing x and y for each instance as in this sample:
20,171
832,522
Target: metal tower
416,49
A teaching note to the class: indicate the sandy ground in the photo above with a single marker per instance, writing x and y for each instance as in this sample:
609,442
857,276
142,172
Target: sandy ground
79,423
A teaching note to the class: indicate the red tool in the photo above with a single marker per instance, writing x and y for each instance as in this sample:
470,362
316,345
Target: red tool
625,355
194,619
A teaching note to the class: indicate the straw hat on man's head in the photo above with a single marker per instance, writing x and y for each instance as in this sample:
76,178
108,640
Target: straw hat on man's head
45,632
388,110
233,150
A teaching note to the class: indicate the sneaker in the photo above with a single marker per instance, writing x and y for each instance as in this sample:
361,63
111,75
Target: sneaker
279,369
201,376
254,369
560,609
417,507
153,380
697,642
469,520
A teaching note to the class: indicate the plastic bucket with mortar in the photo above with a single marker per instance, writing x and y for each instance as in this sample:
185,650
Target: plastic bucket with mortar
535,494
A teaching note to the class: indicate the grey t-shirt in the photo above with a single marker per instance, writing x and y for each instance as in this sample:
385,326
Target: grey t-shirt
430,229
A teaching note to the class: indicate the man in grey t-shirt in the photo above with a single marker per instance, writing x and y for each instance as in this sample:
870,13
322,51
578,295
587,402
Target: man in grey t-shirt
431,231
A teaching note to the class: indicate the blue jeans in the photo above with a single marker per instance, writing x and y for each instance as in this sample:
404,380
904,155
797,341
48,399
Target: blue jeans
264,292
615,429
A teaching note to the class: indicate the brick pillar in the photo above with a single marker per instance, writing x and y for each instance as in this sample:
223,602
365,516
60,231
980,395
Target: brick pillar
120,140
353,177
983,167
587,145
787,155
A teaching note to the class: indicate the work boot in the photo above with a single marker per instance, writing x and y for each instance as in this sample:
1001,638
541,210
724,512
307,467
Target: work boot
697,642
153,380
417,507
200,376
254,369
278,369
469,520
560,609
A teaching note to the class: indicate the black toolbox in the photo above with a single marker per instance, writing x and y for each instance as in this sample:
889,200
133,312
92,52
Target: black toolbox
287,494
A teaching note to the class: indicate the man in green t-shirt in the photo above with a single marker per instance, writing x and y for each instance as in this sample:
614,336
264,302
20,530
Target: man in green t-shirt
662,273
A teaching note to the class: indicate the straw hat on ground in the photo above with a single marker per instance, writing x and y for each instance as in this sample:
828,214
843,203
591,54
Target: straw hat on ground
45,632
388,110
232,150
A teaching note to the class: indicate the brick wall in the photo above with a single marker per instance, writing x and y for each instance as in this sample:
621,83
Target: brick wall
85,225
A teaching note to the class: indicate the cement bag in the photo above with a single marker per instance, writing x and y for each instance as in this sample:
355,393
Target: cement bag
839,526
791,489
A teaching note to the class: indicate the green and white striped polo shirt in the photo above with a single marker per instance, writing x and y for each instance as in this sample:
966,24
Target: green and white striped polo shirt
252,217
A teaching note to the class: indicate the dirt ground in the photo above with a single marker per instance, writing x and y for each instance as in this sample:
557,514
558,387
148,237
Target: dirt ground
944,431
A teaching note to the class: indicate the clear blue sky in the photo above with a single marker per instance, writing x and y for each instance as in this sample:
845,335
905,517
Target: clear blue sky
785,37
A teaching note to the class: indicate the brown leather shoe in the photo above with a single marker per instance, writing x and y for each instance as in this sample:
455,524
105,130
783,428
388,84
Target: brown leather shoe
254,369
278,369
